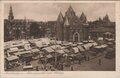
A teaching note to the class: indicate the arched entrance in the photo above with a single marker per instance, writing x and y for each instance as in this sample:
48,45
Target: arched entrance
76,37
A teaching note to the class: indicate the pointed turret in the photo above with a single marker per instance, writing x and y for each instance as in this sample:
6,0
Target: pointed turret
100,19
70,9
106,18
70,12
10,17
60,17
66,23
83,18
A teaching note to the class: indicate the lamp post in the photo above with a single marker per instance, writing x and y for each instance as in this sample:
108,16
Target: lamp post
55,53
40,31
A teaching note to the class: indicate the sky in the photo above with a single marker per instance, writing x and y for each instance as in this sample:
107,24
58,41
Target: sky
50,11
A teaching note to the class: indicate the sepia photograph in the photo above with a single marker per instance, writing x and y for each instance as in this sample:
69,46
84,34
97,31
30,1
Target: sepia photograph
59,36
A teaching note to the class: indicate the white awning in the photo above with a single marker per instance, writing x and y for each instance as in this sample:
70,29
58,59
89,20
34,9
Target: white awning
80,43
38,44
60,51
59,42
48,49
86,46
35,50
76,50
27,47
13,49
101,46
26,67
91,41
21,53
11,58
66,50
81,48
94,44
56,47
107,33
49,56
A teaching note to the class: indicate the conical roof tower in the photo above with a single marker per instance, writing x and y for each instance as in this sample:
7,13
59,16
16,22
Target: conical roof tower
10,17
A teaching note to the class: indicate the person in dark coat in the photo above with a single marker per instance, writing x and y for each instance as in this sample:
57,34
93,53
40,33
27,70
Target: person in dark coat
37,68
100,62
71,68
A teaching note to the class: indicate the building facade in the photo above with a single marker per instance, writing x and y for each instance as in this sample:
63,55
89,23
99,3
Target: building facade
102,28
71,27
15,28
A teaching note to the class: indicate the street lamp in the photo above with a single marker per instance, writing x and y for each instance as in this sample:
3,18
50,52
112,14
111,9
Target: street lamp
40,31
55,53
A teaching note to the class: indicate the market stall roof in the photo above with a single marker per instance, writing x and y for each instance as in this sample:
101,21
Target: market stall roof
21,53
66,50
76,50
85,41
48,49
94,44
110,39
56,47
104,45
27,47
59,42
28,66
80,43
13,49
91,41
81,48
101,46
60,51
107,33
39,44
86,46
49,56
35,50
11,58
62,47
73,45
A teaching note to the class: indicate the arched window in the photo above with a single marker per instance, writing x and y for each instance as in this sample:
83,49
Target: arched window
76,37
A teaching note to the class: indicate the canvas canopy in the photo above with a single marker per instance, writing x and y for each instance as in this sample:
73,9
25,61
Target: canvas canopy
80,43
27,47
66,50
13,49
35,50
81,48
49,56
60,51
107,33
39,44
75,49
59,42
86,47
56,47
101,46
21,53
48,49
11,58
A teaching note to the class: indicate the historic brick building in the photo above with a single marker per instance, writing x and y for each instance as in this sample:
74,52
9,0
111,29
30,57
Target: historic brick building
103,28
15,28
71,27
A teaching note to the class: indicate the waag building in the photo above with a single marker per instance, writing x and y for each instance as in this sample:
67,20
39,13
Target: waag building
69,27
73,28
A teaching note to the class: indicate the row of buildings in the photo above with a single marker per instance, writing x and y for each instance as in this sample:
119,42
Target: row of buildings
66,28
